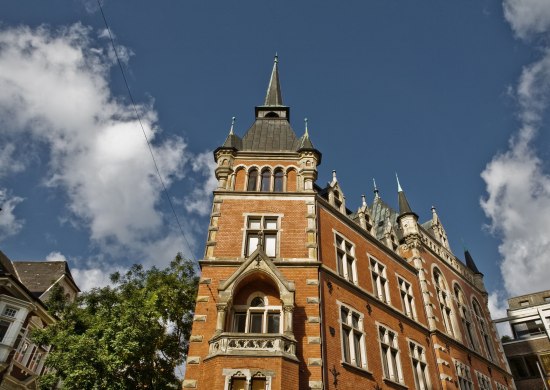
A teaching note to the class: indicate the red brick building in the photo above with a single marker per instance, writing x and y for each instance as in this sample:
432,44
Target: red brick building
299,292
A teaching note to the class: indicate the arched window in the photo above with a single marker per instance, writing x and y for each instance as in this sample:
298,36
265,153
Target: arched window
278,181
483,329
252,180
266,181
337,200
444,302
257,317
465,317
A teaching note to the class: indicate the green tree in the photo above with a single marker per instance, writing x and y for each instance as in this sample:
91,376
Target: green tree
129,336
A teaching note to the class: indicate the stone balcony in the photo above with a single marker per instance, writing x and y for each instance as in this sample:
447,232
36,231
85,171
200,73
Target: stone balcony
252,344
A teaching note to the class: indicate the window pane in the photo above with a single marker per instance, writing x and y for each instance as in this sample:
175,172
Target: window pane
270,245
257,302
240,322
344,315
270,224
252,243
238,383
273,321
357,347
258,384
256,322
278,185
252,180
254,223
4,326
266,181
345,345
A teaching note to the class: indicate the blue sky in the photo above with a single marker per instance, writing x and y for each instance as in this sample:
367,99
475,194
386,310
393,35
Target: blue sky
450,95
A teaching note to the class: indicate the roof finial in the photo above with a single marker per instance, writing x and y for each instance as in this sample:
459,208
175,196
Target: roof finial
364,200
375,188
232,124
433,209
273,96
305,121
334,179
399,189
276,59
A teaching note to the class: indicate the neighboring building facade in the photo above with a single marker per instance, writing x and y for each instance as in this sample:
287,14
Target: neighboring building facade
527,344
24,287
299,292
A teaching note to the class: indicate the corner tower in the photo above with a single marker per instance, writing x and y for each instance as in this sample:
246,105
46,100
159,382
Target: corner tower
256,323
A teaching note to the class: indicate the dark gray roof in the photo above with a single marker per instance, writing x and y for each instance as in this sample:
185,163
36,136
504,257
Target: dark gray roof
380,212
305,143
38,276
270,134
470,262
404,207
233,142
273,97
6,266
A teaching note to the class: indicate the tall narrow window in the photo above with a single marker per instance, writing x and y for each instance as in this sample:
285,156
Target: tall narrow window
407,299
464,376
390,354
465,318
265,228
484,381
266,181
420,366
485,336
353,337
345,258
444,302
252,180
278,180
379,280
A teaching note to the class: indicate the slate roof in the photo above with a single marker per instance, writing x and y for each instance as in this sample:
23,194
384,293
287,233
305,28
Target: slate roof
38,276
270,134
379,212
6,267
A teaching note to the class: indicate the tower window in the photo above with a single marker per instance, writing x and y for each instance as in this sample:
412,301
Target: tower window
258,317
278,181
271,114
266,181
265,228
252,180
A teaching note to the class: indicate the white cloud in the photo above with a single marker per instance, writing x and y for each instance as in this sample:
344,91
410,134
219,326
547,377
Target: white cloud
56,256
9,223
54,89
9,162
86,279
518,187
527,17
199,201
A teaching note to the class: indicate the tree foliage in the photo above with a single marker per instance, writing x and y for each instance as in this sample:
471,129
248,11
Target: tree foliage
130,336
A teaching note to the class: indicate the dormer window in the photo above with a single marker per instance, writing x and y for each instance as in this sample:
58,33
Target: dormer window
338,200
271,114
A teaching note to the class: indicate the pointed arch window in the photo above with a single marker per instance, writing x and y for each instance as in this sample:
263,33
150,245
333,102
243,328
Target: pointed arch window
266,181
278,180
483,329
444,302
465,317
252,180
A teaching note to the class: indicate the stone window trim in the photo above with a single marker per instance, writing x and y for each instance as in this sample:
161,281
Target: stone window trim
417,354
406,293
346,261
264,312
379,278
484,330
352,336
11,325
269,233
266,178
248,375
465,315
464,375
483,381
388,340
444,301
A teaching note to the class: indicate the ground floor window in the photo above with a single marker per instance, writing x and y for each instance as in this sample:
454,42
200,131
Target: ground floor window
245,379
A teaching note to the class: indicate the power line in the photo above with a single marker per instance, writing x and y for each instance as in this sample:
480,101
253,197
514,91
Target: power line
143,129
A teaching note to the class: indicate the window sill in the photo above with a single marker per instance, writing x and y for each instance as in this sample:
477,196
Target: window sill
358,369
394,383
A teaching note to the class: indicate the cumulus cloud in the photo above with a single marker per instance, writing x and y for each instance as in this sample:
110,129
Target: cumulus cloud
9,223
54,90
9,162
518,186
56,256
199,200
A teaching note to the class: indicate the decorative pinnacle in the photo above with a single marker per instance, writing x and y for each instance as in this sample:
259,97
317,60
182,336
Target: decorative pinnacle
334,175
433,209
399,189
364,201
276,59
375,187
232,124
305,121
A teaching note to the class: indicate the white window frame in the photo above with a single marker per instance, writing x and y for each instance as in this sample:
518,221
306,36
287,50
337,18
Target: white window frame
380,283
390,354
419,363
464,375
346,263
352,330
407,297
263,310
249,233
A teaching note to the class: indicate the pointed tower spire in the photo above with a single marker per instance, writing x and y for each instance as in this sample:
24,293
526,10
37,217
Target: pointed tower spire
376,195
273,96
470,262
404,207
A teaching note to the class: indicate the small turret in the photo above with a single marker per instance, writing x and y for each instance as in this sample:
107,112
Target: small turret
407,219
478,276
